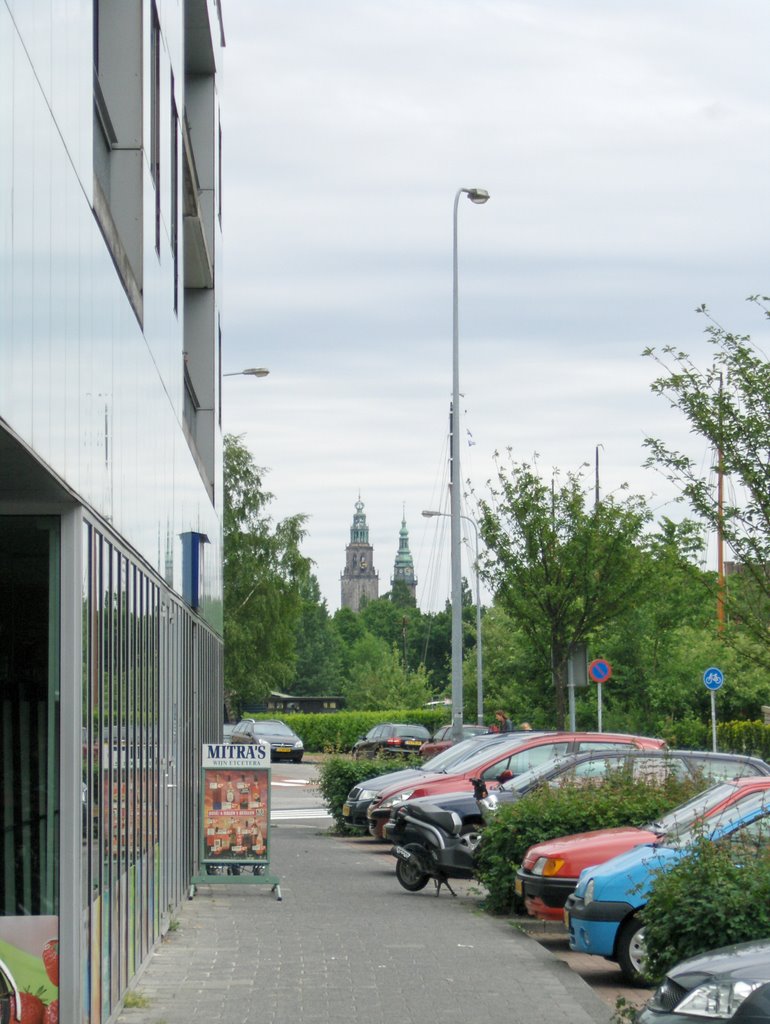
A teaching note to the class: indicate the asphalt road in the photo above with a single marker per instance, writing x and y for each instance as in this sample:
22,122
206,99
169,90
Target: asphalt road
294,797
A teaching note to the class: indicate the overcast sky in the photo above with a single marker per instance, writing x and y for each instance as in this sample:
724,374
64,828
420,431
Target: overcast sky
626,148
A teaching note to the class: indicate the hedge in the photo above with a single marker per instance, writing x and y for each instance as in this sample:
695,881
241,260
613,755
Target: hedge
751,738
548,813
336,732
338,775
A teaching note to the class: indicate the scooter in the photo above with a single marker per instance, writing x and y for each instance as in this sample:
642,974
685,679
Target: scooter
432,843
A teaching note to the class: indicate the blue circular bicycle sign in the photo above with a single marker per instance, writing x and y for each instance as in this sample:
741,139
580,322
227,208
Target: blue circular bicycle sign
713,678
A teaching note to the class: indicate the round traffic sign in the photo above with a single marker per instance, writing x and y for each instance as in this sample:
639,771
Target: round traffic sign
713,678
600,670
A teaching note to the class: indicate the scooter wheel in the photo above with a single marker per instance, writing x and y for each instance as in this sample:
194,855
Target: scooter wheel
410,875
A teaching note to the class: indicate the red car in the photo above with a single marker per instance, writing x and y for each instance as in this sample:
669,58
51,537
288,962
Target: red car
500,763
443,738
549,871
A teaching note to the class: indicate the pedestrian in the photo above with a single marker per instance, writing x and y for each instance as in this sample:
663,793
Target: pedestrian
525,727
503,721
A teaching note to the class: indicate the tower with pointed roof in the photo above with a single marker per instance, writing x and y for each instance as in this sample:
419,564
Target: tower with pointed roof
403,567
359,580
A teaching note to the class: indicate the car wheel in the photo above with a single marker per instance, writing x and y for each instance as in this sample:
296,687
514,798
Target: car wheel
297,758
630,949
410,874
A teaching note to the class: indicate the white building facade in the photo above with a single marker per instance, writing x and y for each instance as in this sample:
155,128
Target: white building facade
110,482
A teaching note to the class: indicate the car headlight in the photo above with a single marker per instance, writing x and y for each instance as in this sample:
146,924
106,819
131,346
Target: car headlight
547,866
367,794
299,745
588,894
397,799
718,1000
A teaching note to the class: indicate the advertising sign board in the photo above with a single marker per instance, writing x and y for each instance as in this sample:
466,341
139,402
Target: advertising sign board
235,815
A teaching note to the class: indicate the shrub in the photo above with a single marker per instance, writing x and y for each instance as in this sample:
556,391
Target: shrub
548,813
716,895
338,775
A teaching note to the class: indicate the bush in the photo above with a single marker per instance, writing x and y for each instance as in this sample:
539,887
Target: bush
548,813
711,898
338,775
732,737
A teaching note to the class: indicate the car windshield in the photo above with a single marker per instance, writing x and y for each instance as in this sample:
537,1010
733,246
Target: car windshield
417,731
504,741
275,728
455,755
678,820
526,780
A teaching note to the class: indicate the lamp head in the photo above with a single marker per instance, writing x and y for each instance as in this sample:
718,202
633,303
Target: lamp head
477,195
429,513
256,371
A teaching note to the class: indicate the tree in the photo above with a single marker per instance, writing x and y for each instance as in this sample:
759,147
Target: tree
728,405
319,647
559,568
263,576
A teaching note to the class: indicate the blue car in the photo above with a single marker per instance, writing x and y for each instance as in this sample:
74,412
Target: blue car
602,913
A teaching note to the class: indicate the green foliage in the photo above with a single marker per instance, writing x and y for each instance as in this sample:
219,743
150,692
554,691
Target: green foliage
716,895
547,813
263,572
338,775
726,405
560,564
751,738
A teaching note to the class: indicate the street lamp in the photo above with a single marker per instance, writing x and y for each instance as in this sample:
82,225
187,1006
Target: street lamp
479,678
253,371
476,195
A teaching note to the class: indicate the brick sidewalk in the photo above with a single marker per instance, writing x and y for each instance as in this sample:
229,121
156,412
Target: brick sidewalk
347,943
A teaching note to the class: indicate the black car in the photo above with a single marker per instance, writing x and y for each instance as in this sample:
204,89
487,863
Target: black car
285,744
594,764
391,738
730,983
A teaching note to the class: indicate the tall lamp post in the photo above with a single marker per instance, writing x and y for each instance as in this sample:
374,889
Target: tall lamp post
479,663
253,371
476,195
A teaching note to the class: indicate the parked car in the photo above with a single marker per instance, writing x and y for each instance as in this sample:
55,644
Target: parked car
602,913
593,767
520,752
550,870
443,738
391,739
363,793
227,732
730,983
285,744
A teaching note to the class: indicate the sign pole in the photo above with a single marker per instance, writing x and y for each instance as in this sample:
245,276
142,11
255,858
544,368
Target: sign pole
599,703
713,722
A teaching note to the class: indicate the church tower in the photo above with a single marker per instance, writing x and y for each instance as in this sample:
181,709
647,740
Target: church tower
359,580
403,568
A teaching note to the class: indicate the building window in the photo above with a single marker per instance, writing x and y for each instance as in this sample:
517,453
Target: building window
174,178
155,117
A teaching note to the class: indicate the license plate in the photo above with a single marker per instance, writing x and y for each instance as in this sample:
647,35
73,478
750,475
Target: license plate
283,750
566,919
346,810
413,743
402,853
519,887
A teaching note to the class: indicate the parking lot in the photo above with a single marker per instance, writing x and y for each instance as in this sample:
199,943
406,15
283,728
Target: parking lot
294,797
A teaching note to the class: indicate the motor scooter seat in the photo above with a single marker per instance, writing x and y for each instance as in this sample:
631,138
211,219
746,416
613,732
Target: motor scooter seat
449,821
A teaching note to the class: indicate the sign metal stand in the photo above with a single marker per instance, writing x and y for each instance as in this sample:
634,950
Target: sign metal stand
235,816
